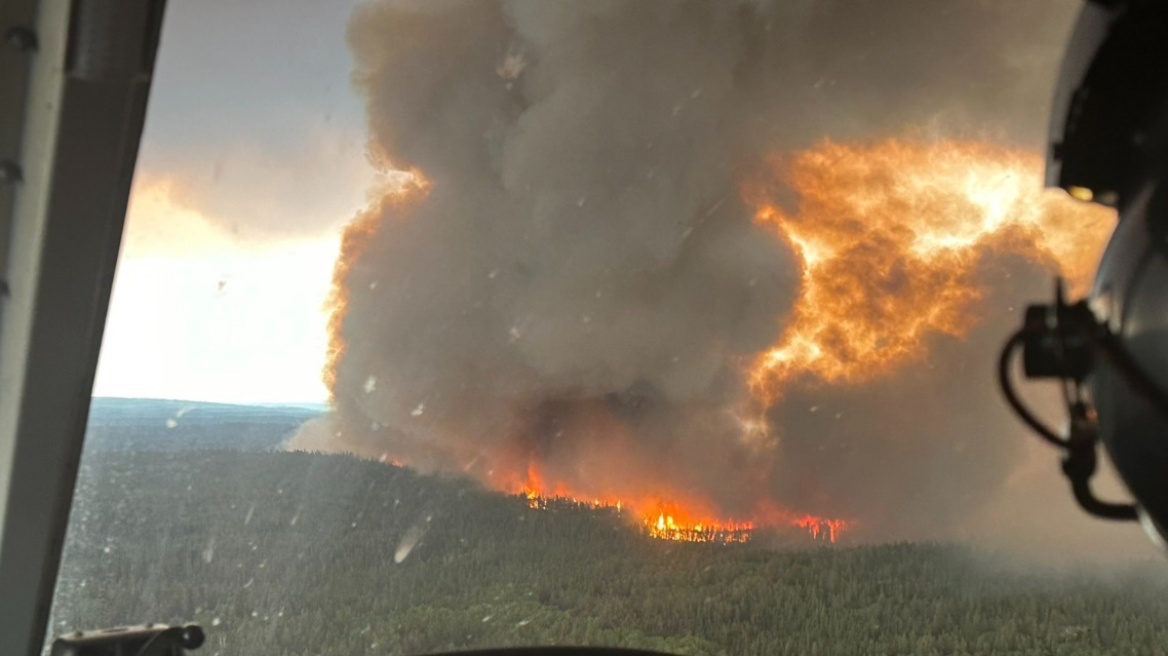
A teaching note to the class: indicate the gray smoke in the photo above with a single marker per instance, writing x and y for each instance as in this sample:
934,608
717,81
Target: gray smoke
583,282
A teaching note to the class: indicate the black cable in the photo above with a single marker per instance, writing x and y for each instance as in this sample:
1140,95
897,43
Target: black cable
1124,512
1080,445
1079,465
1016,404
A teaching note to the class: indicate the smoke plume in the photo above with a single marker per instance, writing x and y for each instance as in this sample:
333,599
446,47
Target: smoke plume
569,287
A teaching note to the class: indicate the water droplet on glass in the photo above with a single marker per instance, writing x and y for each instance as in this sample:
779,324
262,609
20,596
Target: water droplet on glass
408,542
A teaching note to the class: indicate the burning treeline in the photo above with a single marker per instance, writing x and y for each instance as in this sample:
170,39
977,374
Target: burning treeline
629,266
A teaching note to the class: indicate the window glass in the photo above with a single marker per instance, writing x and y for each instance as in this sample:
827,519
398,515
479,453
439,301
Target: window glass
655,324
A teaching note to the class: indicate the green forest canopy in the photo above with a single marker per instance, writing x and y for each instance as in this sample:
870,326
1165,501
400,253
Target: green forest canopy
296,554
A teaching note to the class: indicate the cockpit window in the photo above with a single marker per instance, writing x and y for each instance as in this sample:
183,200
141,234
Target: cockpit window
652,324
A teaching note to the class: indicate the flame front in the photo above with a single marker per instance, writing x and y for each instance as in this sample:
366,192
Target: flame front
889,238
818,526
691,520
667,528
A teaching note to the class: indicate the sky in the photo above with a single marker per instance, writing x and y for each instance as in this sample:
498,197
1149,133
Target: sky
252,160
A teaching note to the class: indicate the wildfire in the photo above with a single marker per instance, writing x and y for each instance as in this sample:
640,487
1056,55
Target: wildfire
890,237
678,521
666,528
817,526
892,240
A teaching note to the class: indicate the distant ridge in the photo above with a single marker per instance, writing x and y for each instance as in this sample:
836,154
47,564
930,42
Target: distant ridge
129,424
136,404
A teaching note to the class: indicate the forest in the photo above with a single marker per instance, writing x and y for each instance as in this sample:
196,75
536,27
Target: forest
298,554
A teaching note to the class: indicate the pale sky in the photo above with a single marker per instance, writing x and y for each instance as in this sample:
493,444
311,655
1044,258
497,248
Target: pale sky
251,163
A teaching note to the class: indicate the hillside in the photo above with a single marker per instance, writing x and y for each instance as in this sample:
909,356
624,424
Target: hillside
296,554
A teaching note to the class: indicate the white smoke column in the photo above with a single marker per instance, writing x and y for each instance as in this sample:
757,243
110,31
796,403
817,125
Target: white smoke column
582,272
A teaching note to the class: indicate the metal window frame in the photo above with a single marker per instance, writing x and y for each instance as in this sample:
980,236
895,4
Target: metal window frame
72,108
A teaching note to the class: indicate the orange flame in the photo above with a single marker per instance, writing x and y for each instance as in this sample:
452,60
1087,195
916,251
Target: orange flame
684,518
890,237
818,526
